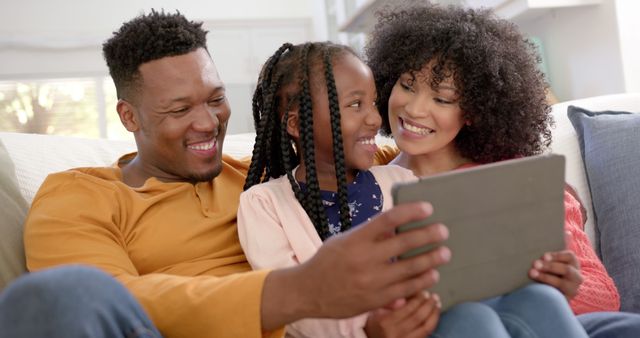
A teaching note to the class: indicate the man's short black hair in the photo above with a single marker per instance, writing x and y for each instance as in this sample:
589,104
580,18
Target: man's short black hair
145,38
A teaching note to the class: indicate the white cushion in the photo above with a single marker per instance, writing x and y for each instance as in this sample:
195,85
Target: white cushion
36,156
565,142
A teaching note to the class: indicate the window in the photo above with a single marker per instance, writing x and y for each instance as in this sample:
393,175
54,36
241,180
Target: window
83,107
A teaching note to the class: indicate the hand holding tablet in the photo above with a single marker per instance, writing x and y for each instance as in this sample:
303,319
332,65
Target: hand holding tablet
501,217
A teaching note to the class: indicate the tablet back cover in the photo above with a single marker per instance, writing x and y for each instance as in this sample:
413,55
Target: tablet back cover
501,217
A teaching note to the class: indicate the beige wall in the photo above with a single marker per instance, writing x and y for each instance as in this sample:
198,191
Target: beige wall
63,38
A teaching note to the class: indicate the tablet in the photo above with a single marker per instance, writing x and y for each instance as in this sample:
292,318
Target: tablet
501,217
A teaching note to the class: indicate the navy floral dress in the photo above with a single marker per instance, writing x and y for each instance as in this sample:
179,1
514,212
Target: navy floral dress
365,201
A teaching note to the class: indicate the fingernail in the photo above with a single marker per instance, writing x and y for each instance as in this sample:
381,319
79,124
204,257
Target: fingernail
537,264
437,299
435,275
444,231
534,273
427,207
445,254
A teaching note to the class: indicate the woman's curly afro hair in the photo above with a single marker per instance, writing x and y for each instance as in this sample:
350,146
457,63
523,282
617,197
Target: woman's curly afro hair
502,91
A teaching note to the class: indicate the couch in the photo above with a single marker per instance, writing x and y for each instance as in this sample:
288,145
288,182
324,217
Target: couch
26,159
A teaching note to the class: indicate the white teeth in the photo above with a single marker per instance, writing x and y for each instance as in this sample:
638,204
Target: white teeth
417,130
203,146
370,141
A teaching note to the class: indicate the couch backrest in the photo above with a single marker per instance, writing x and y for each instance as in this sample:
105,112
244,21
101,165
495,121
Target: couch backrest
565,141
35,156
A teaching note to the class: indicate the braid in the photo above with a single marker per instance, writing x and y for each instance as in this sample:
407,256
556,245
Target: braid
273,168
264,116
257,165
287,152
285,81
272,123
338,149
313,200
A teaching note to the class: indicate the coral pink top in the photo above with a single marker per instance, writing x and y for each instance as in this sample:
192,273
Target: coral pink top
597,292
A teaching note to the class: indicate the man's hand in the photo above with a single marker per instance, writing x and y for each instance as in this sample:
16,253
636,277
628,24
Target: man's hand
353,272
416,317
559,269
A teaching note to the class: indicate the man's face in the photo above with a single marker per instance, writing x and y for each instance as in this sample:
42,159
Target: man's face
182,115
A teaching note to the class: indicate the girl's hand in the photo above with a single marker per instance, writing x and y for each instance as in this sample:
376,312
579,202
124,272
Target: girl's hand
415,317
559,269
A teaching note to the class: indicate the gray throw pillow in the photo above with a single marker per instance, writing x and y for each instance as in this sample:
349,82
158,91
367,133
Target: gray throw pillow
610,145
13,209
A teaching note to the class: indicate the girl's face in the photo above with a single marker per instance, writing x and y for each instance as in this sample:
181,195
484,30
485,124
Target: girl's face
424,120
359,117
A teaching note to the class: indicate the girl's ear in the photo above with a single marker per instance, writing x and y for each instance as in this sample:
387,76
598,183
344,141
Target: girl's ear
293,125
127,115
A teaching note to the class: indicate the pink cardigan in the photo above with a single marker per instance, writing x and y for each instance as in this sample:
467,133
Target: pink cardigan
275,232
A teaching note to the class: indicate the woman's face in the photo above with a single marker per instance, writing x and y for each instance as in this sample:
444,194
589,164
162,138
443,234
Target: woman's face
424,120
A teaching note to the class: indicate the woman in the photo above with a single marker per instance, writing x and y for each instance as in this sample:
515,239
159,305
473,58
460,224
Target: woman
458,88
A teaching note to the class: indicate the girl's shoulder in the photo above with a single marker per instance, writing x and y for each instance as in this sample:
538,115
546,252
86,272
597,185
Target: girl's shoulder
277,186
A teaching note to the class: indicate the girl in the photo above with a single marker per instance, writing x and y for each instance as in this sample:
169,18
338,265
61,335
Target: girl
315,161
459,87
316,121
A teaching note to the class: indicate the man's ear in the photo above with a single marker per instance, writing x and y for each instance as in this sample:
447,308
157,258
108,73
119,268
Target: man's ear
293,124
128,115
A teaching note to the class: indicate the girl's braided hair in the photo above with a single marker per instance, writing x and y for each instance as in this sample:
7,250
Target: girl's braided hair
284,83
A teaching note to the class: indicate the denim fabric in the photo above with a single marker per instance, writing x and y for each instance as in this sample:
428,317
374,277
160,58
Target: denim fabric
470,320
70,302
611,324
535,310
609,143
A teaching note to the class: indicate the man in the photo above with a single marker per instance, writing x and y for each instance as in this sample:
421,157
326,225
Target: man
162,221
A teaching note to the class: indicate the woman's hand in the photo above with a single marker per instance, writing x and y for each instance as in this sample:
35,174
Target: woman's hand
415,317
559,269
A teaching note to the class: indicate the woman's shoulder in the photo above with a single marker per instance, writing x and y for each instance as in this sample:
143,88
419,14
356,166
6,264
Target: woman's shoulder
392,172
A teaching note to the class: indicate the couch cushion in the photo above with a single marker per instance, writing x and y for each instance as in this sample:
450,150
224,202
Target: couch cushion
565,142
35,156
610,142
13,209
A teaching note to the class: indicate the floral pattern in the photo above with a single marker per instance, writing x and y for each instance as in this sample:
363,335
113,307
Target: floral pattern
364,200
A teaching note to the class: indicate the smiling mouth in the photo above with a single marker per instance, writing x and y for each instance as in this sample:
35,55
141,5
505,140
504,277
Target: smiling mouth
367,141
203,146
420,130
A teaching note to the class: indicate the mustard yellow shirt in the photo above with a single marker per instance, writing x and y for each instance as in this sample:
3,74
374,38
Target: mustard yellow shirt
173,245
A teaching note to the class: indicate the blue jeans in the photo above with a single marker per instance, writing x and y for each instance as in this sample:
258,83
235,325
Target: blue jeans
535,310
70,302
611,324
